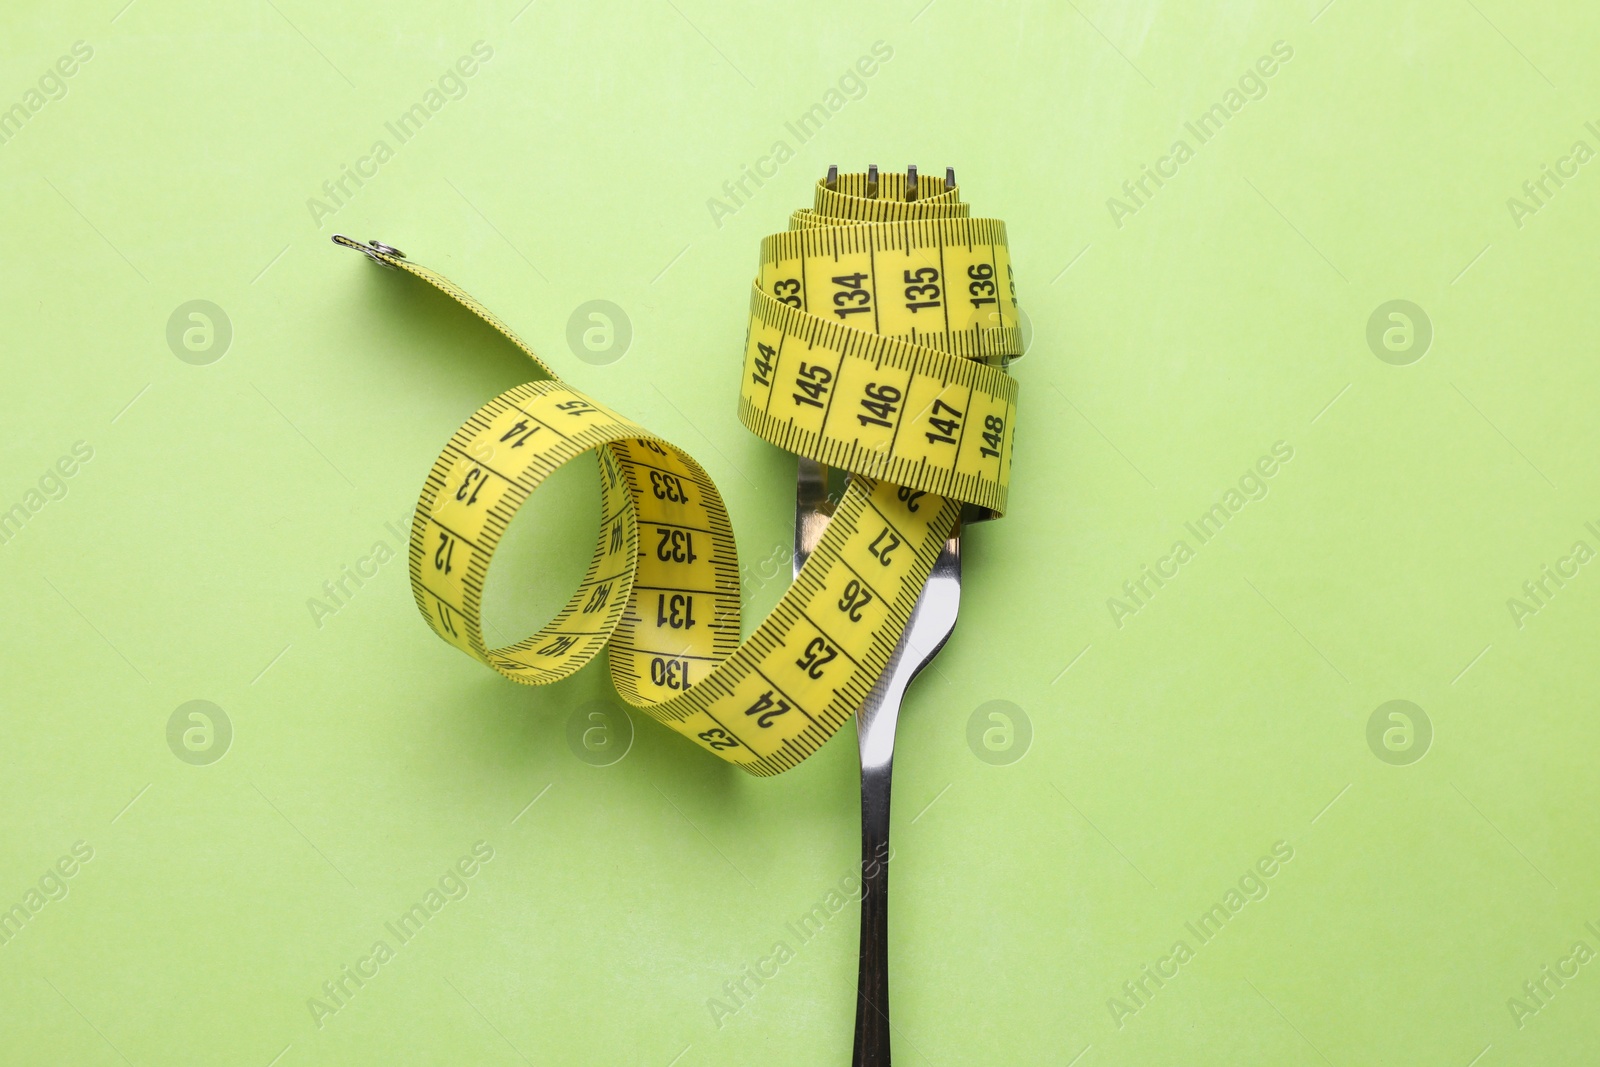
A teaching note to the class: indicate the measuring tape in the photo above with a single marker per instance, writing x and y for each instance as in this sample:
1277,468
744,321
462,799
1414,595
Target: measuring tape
879,331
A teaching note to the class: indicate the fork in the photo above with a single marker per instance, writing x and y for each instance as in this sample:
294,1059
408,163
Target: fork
932,621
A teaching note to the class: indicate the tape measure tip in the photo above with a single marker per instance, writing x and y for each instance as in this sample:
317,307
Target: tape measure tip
369,249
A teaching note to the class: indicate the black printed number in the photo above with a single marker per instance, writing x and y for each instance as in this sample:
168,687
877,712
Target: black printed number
812,381
994,429
718,738
471,486
670,673
521,431
948,427
675,610
856,596
885,543
675,546
766,708
558,645
668,487
787,290
852,297
597,598
818,655
981,287
922,289
763,372
881,402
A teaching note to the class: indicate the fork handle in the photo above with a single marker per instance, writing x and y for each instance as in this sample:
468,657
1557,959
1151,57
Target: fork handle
872,981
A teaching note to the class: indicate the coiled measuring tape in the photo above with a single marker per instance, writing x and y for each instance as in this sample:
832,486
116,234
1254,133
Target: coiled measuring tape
879,330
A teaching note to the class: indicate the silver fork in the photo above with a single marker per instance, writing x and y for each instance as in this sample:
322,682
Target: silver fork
932,621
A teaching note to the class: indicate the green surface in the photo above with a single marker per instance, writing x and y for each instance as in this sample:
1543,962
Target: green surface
1179,339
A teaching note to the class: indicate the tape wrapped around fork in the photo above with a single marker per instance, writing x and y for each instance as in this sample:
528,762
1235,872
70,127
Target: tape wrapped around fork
875,330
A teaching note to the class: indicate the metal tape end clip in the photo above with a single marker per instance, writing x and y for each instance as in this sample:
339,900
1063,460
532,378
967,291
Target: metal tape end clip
370,249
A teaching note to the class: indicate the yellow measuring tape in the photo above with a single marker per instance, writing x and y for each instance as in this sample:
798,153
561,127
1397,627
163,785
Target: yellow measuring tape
879,331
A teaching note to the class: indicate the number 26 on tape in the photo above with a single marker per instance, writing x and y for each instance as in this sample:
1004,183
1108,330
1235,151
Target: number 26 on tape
854,599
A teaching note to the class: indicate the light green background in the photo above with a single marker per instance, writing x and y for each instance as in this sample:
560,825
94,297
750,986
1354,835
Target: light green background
1230,713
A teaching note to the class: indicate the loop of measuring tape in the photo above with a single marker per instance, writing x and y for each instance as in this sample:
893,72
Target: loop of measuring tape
878,336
